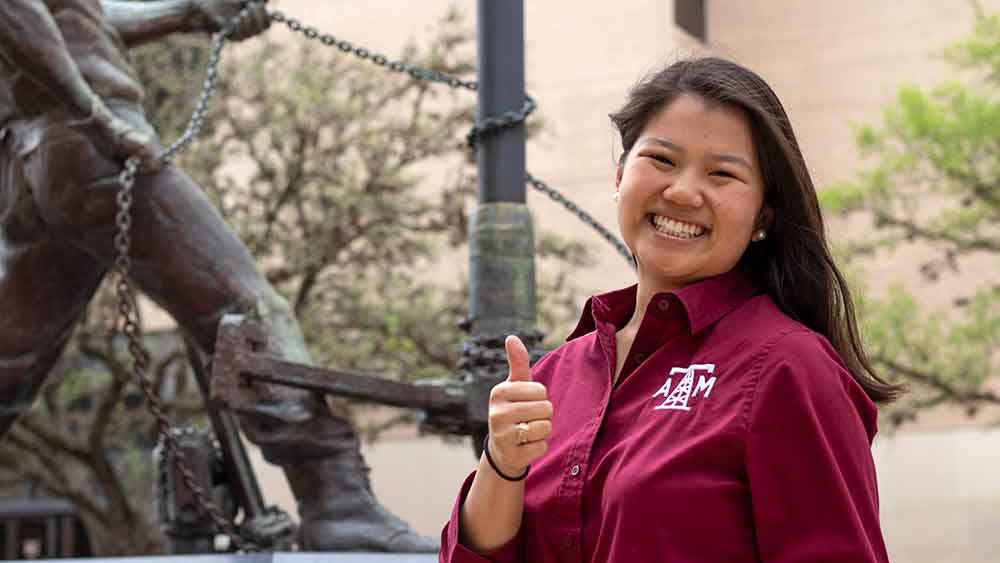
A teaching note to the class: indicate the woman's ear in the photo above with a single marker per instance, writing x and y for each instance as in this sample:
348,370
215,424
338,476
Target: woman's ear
618,175
765,219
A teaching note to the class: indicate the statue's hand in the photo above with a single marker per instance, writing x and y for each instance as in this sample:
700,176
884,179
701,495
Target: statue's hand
129,141
211,15
126,141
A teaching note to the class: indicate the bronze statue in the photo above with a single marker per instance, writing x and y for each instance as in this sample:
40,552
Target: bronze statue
70,112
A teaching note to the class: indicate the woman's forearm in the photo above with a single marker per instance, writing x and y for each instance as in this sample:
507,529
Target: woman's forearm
491,513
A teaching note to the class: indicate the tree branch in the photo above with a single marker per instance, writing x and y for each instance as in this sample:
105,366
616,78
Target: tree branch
108,478
161,371
58,442
49,474
948,390
914,230
103,415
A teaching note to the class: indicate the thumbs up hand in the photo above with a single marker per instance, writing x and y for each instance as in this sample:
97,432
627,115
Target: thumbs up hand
520,415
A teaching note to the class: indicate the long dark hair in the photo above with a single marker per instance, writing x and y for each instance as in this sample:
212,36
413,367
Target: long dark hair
793,265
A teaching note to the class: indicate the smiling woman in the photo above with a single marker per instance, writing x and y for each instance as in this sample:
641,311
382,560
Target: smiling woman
690,194
722,408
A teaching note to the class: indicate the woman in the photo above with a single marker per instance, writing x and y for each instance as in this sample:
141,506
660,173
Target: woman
720,410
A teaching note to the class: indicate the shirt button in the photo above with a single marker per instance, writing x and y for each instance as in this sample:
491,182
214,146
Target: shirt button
568,541
575,471
663,305
639,358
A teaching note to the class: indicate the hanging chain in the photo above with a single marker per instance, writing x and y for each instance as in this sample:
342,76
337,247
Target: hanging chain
488,126
557,197
207,88
128,307
416,72
496,123
129,315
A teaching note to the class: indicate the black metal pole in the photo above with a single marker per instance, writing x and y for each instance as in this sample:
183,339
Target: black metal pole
500,59
502,247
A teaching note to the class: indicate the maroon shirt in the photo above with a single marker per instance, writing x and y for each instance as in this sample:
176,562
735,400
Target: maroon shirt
734,434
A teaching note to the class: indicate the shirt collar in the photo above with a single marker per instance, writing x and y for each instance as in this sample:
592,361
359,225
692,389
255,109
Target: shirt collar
704,303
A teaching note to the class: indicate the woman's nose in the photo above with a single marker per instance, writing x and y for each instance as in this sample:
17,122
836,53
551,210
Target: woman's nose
684,191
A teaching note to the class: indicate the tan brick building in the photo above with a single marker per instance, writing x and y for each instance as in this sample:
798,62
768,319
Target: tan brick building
832,63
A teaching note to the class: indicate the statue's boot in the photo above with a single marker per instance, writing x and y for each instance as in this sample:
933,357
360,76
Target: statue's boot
339,511
329,478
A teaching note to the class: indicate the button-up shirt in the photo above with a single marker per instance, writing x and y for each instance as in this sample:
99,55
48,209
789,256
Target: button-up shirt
733,434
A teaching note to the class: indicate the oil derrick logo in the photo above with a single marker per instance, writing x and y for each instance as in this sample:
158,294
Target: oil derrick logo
680,396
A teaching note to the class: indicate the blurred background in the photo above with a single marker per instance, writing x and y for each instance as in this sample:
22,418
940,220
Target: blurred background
895,106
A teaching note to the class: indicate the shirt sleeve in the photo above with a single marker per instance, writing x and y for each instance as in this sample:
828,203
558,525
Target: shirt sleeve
809,464
452,551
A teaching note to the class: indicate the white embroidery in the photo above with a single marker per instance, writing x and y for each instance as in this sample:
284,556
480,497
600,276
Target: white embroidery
704,385
665,390
678,399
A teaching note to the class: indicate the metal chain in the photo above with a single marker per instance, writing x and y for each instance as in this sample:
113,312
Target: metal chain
488,126
495,123
207,88
416,72
128,313
127,306
557,197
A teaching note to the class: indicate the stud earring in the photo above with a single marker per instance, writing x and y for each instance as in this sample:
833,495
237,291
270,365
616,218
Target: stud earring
759,236
614,197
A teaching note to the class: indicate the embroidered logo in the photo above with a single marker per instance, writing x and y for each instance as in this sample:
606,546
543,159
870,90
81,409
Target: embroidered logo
686,388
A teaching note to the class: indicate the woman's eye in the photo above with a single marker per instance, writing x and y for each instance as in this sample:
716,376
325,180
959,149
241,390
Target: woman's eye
723,173
661,158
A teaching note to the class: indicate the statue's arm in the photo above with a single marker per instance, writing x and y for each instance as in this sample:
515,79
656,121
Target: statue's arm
31,41
142,22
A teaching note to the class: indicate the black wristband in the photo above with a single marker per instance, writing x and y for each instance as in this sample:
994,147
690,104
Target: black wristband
489,458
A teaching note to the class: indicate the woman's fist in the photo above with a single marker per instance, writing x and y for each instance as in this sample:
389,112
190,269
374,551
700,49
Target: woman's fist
520,415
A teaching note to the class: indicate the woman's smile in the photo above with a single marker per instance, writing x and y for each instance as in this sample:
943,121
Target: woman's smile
675,229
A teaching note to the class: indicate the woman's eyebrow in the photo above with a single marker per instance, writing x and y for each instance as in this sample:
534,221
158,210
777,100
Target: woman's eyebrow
661,142
677,148
732,158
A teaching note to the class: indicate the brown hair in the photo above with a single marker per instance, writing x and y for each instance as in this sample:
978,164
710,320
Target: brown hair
793,265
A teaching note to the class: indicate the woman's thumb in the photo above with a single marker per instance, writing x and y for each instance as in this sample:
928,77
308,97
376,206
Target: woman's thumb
517,359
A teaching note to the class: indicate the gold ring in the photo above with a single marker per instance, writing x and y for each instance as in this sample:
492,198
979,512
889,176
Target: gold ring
522,433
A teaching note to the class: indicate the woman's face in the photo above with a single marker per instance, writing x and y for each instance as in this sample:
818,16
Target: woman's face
690,193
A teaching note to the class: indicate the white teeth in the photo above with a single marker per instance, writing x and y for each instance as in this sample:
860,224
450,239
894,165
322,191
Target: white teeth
676,228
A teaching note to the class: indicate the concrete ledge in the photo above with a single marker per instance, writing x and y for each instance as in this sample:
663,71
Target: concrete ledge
276,557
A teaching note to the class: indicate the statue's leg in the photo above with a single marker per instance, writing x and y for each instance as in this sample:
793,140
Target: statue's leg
189,261
45,284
